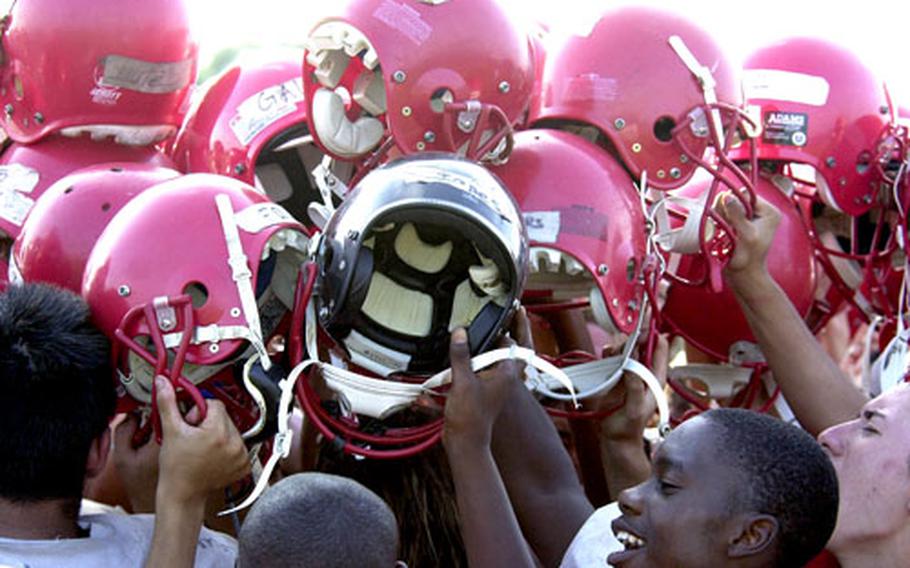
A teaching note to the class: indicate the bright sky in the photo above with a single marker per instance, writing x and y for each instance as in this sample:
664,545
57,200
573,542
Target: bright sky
877,30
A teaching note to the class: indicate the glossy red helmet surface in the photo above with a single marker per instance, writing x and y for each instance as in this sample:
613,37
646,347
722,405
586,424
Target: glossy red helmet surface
200,268
65,222
585,224
72,64
821,106
713,321
632,82
250,124
447,75
27,171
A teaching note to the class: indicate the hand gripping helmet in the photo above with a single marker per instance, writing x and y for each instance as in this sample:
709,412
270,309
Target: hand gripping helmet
64,224
712,321
441,75
27,171
651,86
821,106
250,124
121,68
423,245
189,280
588,241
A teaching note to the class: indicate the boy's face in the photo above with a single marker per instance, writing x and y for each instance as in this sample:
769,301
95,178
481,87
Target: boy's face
680,516
871,456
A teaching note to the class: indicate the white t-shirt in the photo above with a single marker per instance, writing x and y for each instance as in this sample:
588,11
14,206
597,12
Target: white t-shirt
594,541
114,540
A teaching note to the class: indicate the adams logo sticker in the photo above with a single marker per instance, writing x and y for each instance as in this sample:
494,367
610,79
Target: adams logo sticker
785,128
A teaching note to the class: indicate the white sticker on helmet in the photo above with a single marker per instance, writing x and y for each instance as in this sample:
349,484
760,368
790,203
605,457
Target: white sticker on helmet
543,226
257,217
15,181
407,20
778,85
256,113
372,356
145,76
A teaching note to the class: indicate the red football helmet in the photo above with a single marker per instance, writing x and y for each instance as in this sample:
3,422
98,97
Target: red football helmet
189,280
712,321
821,106
440,75
64,224
27,171
651,86
250,124
120,68
589,244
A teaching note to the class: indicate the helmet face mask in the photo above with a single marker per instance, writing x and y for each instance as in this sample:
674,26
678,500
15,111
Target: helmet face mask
200,313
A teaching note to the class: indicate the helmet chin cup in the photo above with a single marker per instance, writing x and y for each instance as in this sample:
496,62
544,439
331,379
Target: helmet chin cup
345,138
160,317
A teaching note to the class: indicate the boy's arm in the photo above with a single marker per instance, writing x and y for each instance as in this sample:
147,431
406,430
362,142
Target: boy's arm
488,524
194,461
815,387
544,489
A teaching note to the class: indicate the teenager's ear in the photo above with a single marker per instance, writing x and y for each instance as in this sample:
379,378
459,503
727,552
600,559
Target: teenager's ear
756,535
98,454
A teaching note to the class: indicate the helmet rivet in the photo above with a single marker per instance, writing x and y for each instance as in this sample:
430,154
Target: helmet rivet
661,174
429,136
628,319
352,235
406,111
342,265
214,348
239,169
636,147
884,109
123,290
675,173
683,159
615,303
421,146
830,161
619,124
602,269
867,199
8,109
842,182
633,305
399,76
504,87
235,312
324,312
39,118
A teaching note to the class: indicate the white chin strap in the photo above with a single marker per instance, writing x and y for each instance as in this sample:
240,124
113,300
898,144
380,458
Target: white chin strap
281,443
684,239
243,277
704,77
380,398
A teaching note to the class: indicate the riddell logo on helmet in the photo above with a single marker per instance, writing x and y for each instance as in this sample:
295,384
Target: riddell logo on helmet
105,95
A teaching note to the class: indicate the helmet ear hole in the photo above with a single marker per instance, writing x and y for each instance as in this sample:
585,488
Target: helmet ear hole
198,293
663,128
441,97
863,162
